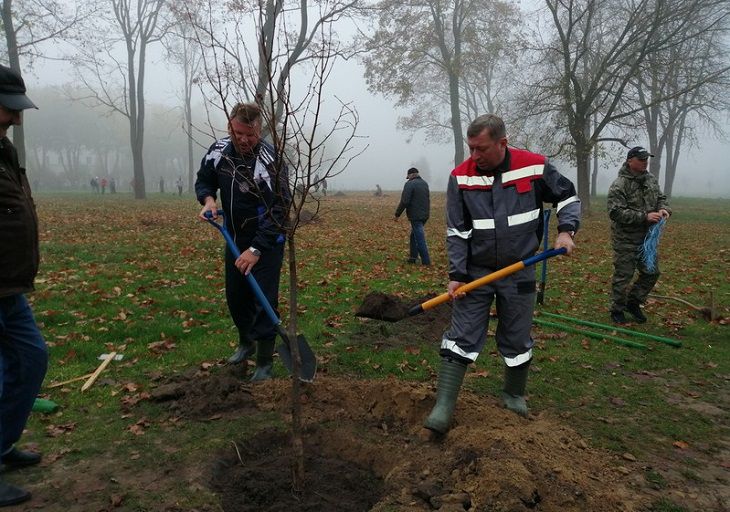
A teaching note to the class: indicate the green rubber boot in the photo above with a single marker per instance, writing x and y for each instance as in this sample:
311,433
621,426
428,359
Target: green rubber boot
264,361
451,375
244,351
515,381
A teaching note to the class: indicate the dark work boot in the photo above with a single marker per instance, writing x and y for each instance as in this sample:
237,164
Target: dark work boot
515,382
264,361
11,495
451,376
15,459
635,310
243,352
618,317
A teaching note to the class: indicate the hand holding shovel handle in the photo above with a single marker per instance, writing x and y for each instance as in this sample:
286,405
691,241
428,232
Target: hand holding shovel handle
499,274
308,366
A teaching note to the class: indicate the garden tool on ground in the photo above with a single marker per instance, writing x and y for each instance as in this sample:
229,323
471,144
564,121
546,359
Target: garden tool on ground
308,367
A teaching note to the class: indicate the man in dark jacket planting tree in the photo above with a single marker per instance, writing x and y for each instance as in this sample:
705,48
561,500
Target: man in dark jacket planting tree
415,200
255,197
494,219
23,352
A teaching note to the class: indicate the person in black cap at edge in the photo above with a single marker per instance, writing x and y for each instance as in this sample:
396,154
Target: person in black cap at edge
23,351
635,203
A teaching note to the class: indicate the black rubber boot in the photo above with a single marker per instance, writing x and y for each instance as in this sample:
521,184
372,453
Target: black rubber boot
243,352
451,376
11,495
515,382
635,310
264,361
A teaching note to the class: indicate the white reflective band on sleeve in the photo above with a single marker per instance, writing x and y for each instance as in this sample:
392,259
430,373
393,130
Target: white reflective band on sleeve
453,347
483,223
561,204
461,234
475,181
530,170
517,360
522,218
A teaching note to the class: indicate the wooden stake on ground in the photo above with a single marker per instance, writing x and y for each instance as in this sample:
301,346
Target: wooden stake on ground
98,371
69,381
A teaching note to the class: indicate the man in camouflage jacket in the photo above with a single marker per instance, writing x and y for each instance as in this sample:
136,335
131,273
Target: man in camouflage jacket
635,203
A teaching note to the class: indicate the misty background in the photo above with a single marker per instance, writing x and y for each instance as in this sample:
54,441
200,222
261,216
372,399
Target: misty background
80,130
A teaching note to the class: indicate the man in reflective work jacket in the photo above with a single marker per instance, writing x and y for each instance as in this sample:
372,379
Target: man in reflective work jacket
494,219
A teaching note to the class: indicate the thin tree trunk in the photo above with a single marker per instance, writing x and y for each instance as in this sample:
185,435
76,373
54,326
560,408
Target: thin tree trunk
296,406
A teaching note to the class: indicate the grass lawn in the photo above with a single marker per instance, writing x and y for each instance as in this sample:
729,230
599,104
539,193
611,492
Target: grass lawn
145,279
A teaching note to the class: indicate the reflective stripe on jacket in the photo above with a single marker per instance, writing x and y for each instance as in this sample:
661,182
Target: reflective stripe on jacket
496,220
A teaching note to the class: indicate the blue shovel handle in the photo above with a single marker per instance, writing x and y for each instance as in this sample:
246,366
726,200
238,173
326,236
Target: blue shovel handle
249,277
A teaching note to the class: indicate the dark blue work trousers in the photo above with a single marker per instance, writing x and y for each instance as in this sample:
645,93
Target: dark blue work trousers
23,365
418,245
250,318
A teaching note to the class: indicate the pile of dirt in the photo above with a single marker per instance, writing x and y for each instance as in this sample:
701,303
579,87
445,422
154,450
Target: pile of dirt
365,450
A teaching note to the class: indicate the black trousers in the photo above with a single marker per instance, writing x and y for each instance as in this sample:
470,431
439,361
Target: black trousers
250,318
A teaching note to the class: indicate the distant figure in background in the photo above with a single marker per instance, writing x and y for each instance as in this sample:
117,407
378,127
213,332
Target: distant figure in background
179,184
378,191
415,200
112,186
94,184
324,186
103,185
315,182
23,352
162,185
635,203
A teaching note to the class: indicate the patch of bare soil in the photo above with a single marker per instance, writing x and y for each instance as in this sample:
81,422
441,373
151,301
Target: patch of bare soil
365,450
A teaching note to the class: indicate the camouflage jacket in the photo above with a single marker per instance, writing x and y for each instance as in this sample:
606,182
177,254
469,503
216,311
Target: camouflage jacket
630,198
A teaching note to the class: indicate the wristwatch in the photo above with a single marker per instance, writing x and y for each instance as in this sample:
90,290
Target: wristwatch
255,251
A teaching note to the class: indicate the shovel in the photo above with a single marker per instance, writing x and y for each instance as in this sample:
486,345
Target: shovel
499,274
308,367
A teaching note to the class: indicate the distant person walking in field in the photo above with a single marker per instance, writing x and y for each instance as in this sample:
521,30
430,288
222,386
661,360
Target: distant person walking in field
635,203
416,201
103,185
112,186
94,184
179,184
255,199
494,206
23,352
324,186
378,191
162,185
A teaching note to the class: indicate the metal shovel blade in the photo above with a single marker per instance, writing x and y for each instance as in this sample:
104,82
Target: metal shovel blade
308,368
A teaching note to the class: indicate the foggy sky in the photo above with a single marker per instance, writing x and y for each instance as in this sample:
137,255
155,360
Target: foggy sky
702,172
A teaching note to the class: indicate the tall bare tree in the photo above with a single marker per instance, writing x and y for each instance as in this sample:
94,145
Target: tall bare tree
116,76
185,50
694,77
440,60
294,106
584,80
28,25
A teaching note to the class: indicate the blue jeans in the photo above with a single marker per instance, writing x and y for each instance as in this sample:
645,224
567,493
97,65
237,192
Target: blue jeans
23,364
418,245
